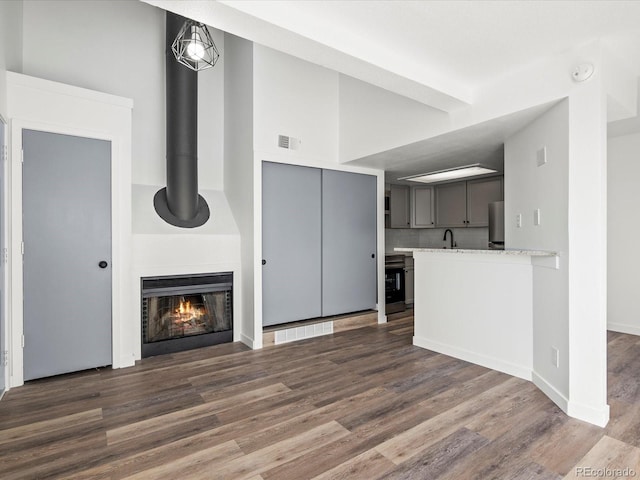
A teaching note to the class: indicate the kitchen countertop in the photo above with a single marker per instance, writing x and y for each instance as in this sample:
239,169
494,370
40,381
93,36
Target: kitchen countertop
531,253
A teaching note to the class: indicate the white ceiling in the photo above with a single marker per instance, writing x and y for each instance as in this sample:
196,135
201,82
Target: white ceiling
436,52
468,42
481,143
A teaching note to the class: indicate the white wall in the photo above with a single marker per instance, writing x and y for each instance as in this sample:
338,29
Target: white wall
569,313
588,251
118,47
298,99
623,231
528,187
476,307
372,120
10,46
238,169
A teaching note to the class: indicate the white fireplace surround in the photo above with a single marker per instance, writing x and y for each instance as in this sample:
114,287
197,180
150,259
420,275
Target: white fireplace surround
149,248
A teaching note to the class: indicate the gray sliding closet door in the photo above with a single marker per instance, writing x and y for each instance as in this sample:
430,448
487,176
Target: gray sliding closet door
348,242
291,248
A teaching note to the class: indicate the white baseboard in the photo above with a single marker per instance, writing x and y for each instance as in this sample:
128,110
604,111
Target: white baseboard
595,415
473,357
128,361
249,342
623,328
550,391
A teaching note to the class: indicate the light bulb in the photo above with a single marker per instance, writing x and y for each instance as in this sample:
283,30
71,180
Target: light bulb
195,49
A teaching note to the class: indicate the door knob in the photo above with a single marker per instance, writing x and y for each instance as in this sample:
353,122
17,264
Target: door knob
102,264
264,262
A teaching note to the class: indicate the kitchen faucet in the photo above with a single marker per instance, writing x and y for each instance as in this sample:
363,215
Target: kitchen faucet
448,230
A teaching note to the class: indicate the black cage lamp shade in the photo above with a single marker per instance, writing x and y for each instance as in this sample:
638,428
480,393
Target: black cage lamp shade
194,47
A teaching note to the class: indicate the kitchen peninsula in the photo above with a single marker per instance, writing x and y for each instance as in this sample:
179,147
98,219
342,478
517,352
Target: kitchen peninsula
477,305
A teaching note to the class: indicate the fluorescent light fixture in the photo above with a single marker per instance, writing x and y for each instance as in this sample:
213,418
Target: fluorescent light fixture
450,174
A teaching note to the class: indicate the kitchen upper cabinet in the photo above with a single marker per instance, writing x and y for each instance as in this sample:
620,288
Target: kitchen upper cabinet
451,204
466,204
480,193
423,208
399,206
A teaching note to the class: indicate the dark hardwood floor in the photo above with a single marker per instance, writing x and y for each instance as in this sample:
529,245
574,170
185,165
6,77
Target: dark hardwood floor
359,404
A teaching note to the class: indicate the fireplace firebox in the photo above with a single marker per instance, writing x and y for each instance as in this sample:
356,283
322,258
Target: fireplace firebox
182,312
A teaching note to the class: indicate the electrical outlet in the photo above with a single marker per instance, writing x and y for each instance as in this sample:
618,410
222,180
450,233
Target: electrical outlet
519,220
536,216
555,357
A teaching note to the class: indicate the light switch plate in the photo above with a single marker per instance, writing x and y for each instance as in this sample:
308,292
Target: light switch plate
536,216
519,220
555,357
541,156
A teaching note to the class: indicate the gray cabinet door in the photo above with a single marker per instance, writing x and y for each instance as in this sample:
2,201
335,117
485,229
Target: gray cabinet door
67,233
423,210
479,194
291,248
348,242
399,206
451,205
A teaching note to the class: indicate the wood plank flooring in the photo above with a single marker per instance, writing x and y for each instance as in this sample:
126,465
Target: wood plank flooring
359,404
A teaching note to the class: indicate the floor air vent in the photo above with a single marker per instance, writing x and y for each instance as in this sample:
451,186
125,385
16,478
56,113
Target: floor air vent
302,332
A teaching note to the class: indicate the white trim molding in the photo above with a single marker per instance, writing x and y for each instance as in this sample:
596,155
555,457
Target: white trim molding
493,363
550,391
587,413
624,328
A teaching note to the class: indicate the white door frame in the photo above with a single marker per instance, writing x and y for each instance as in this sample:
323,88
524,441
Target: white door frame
4,215
47,106
17,296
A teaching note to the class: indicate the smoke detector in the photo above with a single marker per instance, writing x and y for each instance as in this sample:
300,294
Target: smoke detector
582,72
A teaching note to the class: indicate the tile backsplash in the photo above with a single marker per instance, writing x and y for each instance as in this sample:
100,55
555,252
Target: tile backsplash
477,237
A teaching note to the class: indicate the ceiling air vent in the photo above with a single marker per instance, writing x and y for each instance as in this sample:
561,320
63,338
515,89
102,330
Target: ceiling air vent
289,143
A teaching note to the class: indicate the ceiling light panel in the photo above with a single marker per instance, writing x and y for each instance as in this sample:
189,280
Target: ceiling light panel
453,174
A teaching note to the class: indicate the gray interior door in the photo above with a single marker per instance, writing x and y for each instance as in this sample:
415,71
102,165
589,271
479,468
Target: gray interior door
348,242
67,242
291,236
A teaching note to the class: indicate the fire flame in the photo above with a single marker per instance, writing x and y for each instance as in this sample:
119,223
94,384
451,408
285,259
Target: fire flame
186,311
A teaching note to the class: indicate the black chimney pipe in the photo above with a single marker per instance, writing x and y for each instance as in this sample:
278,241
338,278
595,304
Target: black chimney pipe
179,203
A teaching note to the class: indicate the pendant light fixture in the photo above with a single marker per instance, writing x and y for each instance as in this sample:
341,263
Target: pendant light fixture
194,47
